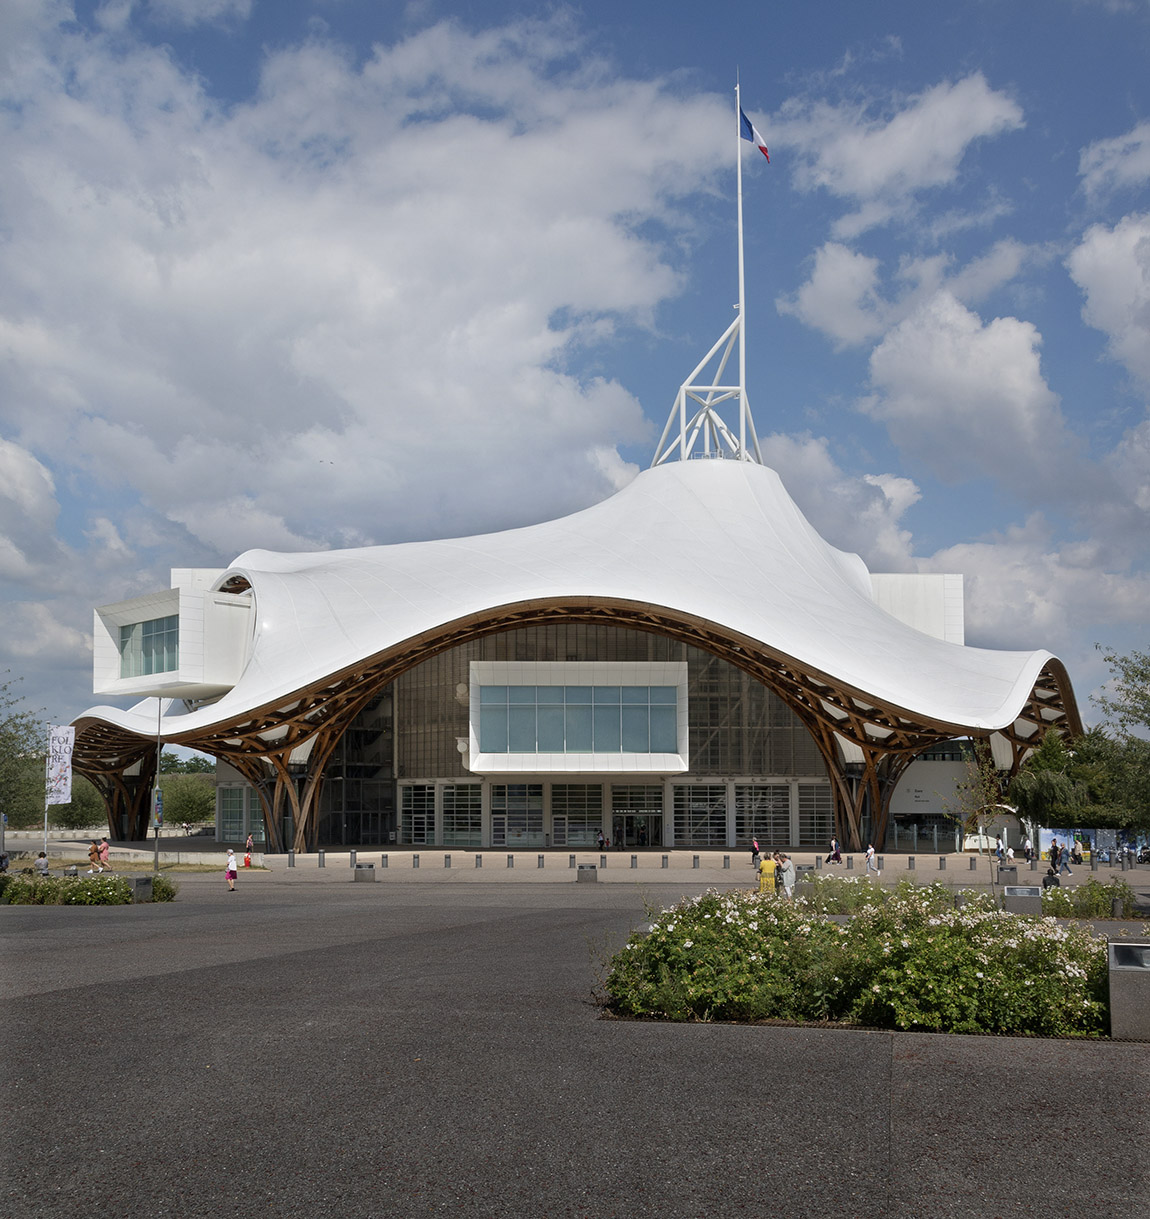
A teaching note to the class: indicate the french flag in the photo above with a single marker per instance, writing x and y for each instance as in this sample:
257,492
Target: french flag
749,131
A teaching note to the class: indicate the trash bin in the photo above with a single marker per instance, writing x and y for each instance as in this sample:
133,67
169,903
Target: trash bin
141,888
364,871
1008,874
1022,899
587,871
1130,990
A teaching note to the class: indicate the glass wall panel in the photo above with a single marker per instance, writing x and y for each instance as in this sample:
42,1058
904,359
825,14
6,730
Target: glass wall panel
636,815
150,647
231,813
608,736
417,814
462,815
701,815
763,811
517,814
576,814
493,729
816,814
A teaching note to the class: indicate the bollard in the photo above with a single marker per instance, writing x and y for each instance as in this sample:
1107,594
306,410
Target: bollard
974,863
634,861
383,861
447,861
1034,865
602,861
351,858
291,858
540,863
415,861
942,863
726,861
1093,861
1116,908
818,863
850,863
694,861
909,863
322,855
881,862
571,861
665,861
479,861
511,861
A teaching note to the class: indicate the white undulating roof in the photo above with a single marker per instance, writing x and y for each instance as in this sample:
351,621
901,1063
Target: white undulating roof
720,540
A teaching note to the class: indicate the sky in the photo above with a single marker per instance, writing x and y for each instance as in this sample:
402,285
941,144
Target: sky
301,275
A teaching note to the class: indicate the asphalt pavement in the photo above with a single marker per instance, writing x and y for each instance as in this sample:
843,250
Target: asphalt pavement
428,1043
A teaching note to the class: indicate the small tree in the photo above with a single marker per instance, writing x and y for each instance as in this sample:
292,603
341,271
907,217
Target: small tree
23,743
190,798
978,793
86,808
1126,703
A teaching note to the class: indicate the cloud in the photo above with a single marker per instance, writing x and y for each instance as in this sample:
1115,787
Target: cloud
883,163
841,297
1107,166
115,14
968,399
1112,268
859,514
359,249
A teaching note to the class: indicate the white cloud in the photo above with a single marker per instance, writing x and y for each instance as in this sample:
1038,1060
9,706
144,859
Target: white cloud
883,163
360,250
1112,267
1107,166
841,297
968,399
115,14
859,514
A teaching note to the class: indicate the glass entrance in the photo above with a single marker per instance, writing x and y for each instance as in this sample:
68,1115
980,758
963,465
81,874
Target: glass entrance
636,816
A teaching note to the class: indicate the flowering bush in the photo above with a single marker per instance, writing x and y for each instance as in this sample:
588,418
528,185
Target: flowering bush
66,891
910,962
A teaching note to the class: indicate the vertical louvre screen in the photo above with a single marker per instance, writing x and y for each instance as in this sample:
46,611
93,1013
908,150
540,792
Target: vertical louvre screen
576,813
816,814
417,814
701,816
763,811
462,815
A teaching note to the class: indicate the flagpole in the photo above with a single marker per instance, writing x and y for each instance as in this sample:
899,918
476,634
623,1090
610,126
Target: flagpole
742,286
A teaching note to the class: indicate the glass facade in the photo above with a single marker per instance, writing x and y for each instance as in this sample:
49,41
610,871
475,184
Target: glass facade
576,814
150,647
463,815
578,719
517,814
399,775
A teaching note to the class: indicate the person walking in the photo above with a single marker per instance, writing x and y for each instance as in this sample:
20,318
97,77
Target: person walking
787,875
230,870
1028,848
755,853
94,858
834,855
871,860
1064,860
105,853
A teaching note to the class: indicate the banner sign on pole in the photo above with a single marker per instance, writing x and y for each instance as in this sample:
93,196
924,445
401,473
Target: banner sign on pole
59,776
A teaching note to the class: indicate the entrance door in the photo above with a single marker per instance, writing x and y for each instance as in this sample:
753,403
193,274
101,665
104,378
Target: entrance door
636,815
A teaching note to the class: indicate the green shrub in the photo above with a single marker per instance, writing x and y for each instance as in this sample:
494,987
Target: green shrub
66,891
164,889
1089,900
910,961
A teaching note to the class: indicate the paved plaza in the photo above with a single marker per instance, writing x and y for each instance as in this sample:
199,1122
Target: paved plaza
428,1043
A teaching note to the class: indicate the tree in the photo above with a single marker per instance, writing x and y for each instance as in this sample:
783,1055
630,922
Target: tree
1044,791
190,798
197,764
23,744
978,795
85,810
1126,702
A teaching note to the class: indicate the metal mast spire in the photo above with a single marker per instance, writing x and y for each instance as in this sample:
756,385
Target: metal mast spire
705,433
